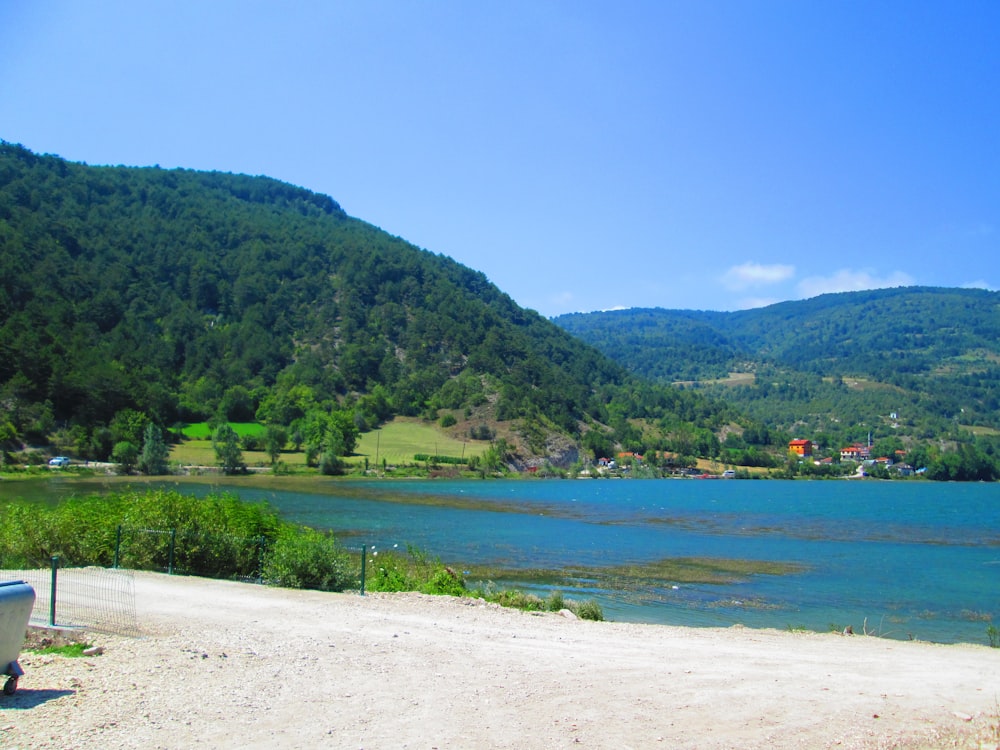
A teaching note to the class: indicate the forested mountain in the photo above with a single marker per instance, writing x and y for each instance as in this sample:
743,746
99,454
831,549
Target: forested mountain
187,296
837,366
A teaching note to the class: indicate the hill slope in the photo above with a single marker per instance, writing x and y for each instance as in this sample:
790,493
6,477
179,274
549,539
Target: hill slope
838,363
187,295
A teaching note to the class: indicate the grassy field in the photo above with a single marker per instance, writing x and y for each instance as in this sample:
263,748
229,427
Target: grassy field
397,442
734,379
978,431
202,430
201,453
400,440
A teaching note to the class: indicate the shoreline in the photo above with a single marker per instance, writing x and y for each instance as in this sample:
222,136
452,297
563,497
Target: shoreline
623,599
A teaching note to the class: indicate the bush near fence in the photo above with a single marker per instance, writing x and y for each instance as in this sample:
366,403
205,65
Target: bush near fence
216,536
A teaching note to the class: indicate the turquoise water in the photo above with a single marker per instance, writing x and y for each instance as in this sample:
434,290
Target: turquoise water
912,559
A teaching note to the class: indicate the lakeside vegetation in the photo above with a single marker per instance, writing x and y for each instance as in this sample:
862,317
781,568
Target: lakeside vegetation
221,536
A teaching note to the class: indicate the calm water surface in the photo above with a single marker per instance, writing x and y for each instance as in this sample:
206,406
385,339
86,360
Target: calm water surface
913,559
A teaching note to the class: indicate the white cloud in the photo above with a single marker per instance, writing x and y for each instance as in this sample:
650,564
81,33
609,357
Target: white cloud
750,275
752,303
849,280
980,284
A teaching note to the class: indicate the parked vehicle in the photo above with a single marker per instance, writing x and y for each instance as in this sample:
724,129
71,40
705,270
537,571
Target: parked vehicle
59,461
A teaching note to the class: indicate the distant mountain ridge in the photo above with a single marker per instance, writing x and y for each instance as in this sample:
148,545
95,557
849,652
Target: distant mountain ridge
930,353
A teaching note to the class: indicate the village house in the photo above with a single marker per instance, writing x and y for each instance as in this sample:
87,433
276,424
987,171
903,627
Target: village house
855,452
802,448
629,455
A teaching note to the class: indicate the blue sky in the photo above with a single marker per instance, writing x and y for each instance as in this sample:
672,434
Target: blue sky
680,154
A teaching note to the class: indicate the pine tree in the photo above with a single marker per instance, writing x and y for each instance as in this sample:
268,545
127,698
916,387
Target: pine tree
154,451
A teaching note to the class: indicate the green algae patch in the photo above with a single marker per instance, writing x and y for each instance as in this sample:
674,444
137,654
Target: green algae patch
667,571
704,569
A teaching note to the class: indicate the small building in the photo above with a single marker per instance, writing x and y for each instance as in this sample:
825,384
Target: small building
855,452
633,456
800,447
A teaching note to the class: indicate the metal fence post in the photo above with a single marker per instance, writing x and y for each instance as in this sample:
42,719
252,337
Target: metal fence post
52,593
260,558
118,545
364,554
170,560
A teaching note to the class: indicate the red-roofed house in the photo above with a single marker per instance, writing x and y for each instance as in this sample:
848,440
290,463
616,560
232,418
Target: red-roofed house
800,447
856,452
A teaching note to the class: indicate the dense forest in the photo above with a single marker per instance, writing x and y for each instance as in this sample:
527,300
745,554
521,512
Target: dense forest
907,365
138,297
131,296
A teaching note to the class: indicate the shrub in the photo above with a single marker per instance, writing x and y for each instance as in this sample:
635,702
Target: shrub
389,572
330,463
589,610
392,570
308,559
445,582
481,432
519,600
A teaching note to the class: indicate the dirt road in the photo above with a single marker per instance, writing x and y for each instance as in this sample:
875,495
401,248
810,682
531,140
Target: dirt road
229,665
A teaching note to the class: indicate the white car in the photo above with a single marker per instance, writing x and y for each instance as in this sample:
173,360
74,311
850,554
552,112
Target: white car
59,461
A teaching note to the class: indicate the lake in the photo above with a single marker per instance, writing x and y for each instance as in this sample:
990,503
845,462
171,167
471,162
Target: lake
899,559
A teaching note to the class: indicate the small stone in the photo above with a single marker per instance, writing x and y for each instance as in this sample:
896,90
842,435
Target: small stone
93,651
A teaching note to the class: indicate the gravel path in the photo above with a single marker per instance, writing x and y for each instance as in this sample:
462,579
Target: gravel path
229,665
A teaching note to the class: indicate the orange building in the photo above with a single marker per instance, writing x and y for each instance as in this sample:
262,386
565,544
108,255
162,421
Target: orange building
800,447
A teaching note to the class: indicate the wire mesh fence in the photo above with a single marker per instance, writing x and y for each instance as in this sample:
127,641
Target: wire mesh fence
190,552
101,599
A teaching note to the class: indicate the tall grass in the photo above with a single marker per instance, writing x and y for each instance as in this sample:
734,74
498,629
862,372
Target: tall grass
221,536
218,535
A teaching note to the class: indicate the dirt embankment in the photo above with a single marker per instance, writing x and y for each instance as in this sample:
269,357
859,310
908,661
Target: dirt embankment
228,665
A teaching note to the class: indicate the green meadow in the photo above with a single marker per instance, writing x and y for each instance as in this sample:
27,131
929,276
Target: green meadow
394,444
398,441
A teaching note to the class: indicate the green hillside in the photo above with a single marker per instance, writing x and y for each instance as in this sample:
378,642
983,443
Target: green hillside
916,364
130,295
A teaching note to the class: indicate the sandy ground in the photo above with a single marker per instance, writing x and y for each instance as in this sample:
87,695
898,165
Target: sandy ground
229,665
